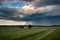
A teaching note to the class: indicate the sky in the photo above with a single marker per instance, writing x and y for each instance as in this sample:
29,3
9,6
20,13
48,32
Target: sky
34,12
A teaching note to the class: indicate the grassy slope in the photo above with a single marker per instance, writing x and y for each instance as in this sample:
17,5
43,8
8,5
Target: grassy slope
53,36
42,33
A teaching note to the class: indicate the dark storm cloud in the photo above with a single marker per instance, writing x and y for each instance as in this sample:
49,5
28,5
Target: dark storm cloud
2,0
46,18
28,0
48,21
8,14
11,0
7,0
45,2
13,14
38,16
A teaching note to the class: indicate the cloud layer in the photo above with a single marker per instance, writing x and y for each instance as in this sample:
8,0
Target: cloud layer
38,12
39,3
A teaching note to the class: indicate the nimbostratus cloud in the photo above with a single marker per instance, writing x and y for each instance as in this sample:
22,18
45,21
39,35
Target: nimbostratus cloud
7,0
34,11
29,9
39,3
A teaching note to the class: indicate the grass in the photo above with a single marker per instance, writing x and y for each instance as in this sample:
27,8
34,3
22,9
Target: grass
36,33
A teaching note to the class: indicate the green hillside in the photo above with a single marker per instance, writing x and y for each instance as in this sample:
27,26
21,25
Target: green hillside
36,33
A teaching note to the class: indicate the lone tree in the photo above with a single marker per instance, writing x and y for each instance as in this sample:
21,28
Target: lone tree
29,26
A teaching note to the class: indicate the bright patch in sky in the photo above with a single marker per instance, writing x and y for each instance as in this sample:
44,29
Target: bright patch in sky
28,9
10,22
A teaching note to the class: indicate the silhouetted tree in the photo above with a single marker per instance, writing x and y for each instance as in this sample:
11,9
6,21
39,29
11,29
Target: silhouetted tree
29,26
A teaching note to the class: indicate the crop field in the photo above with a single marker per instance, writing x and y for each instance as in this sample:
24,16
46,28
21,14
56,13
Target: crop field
35,33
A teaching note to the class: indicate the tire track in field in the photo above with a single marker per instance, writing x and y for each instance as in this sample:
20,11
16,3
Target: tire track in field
35,36
42,35
30,35
48,33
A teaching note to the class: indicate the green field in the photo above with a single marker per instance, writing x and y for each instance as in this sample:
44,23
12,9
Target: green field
35,33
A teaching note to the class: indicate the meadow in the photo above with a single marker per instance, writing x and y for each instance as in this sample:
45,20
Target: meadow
35,33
